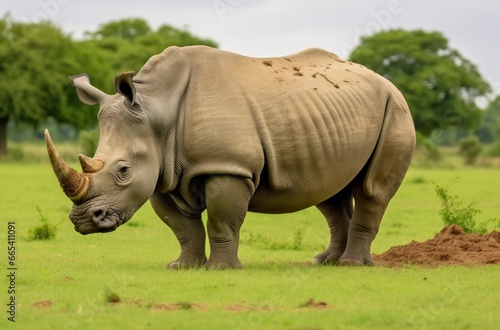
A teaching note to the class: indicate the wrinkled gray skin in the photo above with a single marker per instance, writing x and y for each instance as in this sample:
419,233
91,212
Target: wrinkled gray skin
199,128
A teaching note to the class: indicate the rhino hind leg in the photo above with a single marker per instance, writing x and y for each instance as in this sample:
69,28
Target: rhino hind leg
377,184
189,231
365,222
227,199
338,212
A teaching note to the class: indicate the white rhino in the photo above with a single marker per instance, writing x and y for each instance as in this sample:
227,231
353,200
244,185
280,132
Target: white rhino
199,128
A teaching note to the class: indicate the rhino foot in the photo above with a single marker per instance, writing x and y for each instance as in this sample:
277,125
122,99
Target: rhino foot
327,258
355,262
184,264
218,265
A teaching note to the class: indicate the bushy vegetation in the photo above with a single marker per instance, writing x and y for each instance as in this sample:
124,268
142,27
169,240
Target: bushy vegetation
44,230
455,211
470,149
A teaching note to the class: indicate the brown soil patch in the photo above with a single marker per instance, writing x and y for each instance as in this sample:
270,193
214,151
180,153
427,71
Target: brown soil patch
66,278
451,246
179,306
246,308
311,303
42,304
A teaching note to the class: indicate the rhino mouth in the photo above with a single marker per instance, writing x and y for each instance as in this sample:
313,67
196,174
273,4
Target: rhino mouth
95,220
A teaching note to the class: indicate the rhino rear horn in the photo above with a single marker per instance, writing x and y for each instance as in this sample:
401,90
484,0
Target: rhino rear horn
87,93
75,185
90,165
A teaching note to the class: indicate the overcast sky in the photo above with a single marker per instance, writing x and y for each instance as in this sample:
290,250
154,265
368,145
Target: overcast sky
279,27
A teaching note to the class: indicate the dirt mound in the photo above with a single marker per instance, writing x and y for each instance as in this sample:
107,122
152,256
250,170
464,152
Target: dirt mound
451,246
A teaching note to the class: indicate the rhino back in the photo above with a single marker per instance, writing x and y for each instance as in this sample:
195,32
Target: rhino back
301,126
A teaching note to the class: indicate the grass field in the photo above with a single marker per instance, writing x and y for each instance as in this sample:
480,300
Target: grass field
68,282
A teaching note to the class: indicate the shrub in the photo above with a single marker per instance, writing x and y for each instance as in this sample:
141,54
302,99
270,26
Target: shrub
470,149
494,150
455,212
44,231
111,297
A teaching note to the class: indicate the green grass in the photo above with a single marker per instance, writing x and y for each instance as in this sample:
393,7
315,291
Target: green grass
119,281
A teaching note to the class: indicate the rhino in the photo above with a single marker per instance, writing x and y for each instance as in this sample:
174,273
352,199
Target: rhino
199,128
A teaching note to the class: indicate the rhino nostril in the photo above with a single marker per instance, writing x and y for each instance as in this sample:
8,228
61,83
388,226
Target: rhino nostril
99,215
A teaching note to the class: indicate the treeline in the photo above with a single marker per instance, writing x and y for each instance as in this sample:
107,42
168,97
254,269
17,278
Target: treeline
36,59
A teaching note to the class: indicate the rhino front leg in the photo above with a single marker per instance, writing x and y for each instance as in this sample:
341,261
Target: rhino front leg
189,231
227,199
338,212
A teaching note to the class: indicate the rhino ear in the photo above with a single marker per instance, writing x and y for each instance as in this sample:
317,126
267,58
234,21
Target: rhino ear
87,93
125,86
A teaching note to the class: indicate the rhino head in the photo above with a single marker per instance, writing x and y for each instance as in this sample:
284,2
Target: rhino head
124,171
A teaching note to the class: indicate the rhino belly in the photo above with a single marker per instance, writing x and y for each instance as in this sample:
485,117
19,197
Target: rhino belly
300,192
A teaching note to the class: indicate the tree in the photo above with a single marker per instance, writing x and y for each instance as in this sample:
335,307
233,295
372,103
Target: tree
489,130
131,42
127,29
439,84
36,61
37,58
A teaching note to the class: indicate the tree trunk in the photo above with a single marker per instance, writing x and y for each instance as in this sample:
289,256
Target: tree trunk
3,135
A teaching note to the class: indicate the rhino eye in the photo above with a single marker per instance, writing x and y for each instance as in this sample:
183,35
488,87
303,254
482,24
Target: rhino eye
124,169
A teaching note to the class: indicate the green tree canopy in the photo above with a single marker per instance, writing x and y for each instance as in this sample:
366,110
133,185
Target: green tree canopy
35,61
131,42
439,84
127,29
37,58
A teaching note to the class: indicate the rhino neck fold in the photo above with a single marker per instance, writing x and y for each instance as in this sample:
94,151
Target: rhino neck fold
170,170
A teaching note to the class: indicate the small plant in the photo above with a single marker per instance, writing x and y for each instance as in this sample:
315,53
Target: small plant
297,240
455,212
470,149
44,231
111,297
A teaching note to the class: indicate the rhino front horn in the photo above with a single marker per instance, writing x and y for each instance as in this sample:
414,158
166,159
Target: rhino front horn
75,185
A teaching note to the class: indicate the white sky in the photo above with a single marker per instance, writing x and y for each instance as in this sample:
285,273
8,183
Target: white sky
279,27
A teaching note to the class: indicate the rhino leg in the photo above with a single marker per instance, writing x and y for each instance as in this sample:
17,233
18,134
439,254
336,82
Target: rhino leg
371,198
189,231
338,212
227,199
363,228
377,184
372,192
